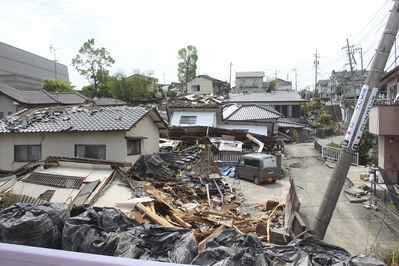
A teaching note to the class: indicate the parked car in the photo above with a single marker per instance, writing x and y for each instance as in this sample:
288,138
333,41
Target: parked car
258,167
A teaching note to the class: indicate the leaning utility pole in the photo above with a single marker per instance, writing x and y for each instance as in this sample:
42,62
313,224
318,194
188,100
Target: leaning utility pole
357,124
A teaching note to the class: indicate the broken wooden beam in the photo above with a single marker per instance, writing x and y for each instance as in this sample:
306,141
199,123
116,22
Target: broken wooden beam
153,216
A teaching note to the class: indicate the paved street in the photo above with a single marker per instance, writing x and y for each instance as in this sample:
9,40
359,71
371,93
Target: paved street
352,227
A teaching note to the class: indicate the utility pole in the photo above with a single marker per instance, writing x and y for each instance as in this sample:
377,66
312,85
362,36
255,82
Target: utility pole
350,54
230,74
296,83
316,63
357,124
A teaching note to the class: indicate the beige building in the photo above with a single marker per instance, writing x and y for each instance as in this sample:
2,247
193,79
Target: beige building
204,84
250,82
110,133
384,122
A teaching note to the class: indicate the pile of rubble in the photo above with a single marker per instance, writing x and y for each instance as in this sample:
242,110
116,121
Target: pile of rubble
186,196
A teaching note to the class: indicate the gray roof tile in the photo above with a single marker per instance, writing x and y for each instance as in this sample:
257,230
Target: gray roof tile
73,119
249,112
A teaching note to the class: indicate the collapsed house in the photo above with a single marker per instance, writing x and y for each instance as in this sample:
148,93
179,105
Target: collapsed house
163,208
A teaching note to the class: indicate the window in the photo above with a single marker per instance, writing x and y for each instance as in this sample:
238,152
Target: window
289,111
195,88
188,119
269,162
90,151
27,153
9,113
252,162
133,146
1,115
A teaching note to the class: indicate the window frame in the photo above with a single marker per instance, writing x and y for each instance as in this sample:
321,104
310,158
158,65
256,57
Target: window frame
191,120
29,153
86,155
130,146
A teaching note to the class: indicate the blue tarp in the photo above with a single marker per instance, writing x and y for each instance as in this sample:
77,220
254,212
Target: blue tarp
228,171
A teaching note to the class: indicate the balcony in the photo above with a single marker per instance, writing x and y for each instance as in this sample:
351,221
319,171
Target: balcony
384,120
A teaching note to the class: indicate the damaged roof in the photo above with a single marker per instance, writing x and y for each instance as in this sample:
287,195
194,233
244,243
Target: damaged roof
78,119
41,97
236,112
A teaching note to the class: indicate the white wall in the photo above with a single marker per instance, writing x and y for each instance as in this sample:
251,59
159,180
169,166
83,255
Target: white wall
251,129
6,105
203,118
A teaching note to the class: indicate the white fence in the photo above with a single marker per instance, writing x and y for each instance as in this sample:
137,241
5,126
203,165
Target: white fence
331,153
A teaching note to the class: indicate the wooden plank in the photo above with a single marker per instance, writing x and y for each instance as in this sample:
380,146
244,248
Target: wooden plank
201,244
153,216
221,214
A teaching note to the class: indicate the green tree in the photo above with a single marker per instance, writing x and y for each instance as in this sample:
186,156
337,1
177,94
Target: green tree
92,63
53,85
187,68
135,87
272,84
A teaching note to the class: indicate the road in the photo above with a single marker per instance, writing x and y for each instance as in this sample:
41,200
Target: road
352,226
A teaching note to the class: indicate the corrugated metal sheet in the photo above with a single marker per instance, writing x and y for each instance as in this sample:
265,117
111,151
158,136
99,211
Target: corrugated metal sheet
54,180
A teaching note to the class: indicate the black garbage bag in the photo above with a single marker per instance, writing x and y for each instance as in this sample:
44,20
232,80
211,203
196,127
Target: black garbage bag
108,231
34,225
97,231
164,244
229,247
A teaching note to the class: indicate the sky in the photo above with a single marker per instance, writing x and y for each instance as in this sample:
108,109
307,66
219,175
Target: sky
281,38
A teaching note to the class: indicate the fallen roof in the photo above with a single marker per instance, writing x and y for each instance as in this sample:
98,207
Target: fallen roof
78,119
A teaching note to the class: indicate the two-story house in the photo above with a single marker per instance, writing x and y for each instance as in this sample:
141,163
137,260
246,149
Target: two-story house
204,84
250,82
110,133
384,122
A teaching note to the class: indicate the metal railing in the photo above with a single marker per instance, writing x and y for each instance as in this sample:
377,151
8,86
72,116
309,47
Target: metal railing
332,153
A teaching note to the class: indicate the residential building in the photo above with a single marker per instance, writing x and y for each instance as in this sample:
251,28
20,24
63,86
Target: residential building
204,84
111,133
283,85
25,71
346,83
384,122
250,82
13,100
288,103
323,91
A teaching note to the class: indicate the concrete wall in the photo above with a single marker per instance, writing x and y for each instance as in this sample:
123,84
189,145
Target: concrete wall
63,144
25,71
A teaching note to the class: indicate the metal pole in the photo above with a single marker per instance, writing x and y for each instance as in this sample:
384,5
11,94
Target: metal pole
355,130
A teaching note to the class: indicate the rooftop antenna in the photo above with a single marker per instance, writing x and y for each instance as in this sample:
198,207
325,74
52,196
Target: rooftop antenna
55,60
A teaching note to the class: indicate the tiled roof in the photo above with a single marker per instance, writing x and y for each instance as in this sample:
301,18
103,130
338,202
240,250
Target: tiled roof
41,96
249,112
73,119
69,97
289,124
278,96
